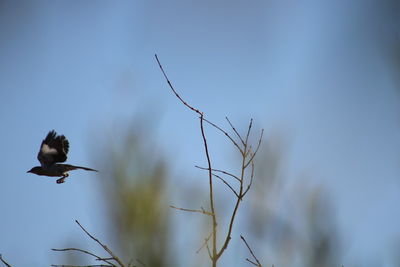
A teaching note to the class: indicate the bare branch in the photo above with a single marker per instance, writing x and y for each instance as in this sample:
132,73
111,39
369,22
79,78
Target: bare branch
3,261
251,179
102,259
235,209
96,265
142,263
102,245
214,257
252,262
225,182
251,252
249,151
255,152
106,260
232,219
173,89
210,176
234,129
248,132
204,243
245,151
222,179
221,171
226,134
192,210
209,254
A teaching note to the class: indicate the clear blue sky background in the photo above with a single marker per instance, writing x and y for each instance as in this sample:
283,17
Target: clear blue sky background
324,74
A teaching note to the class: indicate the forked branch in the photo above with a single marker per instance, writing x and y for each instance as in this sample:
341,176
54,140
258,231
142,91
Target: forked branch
111,261
255,261
241,189
203,135
221,171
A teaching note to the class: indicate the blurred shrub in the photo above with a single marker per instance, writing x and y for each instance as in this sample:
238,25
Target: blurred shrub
134,185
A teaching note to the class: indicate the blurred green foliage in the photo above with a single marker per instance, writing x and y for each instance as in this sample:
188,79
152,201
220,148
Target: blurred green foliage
134,185
292,222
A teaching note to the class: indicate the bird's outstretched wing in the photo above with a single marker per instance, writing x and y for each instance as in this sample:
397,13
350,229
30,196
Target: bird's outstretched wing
53,149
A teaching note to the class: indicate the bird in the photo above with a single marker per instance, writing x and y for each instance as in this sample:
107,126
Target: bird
54,149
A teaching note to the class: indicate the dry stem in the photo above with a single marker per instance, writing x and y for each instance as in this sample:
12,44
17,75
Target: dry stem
3,261
257,263
108,260
211,196
245,150
192,210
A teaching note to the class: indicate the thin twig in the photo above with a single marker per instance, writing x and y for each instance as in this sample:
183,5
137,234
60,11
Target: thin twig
102,259
233,216
193,210
255,152
249,151
4,261
142,263
234,129
239,199
245,151
251,179
252,262
227,184
95,265
221,171
214,257
251,252
204,243
226,134
106,260
211,195
173,89
209,253
101,244
248,132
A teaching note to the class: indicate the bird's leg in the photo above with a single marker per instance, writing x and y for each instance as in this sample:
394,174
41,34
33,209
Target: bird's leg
61,180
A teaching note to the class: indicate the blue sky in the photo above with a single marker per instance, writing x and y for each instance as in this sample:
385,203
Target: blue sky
322,74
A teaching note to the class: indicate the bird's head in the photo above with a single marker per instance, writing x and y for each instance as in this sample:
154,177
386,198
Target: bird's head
35,170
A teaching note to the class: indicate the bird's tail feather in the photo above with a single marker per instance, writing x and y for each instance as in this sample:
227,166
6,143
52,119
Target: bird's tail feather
72,167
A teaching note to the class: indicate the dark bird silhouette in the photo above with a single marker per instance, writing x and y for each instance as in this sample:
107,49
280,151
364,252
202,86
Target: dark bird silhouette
53,149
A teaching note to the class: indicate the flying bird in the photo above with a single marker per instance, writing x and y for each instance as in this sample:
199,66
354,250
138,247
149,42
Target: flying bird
54,148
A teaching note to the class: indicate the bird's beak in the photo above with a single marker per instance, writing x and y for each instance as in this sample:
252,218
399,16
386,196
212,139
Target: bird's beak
28,171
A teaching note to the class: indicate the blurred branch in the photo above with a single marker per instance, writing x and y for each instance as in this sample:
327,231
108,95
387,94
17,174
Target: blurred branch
192,210
3,261
139,262
95,265
205,244
107,260
257,263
